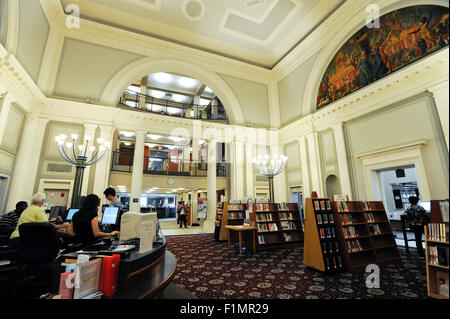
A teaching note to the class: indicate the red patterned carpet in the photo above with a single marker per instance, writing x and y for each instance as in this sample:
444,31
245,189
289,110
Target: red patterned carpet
209,271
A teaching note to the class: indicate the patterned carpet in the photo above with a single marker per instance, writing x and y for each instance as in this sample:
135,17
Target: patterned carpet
209,271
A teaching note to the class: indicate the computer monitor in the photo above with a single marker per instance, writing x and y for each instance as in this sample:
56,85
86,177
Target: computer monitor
130,225
54,212
426,205
110,215
70,214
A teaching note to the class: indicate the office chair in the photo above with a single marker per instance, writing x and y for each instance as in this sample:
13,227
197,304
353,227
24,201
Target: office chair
39,247
9,271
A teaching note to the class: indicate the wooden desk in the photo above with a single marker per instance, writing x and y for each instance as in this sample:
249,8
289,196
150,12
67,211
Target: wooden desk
241,229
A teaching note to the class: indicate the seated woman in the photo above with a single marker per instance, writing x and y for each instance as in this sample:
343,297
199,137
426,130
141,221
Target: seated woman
84,225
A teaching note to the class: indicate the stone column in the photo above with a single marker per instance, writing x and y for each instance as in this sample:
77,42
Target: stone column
239,167
89,130
138,172
209,224
249,178
5,106
103,167
306,185
441,98
315,164
27,160
341,151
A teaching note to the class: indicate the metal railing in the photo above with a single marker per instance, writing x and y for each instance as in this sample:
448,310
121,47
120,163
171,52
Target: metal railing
123,162
137,101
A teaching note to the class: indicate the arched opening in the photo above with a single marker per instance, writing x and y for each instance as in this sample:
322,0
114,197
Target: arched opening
333,186
173,95
140,68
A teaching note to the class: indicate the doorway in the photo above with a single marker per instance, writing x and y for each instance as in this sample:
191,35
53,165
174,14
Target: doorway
333,186
57,197
4,183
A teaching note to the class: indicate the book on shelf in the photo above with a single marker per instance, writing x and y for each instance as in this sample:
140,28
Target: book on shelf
319,219
346,219
375,229
342,207
287,237
438,255
261,239
322,205
288,225
370,217
283,206
443,286
262,207
316,205
444,206
354,245
349,232
365,205
438,232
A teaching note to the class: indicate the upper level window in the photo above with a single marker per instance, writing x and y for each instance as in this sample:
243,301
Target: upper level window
174,95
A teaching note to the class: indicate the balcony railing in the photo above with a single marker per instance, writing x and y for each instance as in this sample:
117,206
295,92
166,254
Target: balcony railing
123,162
146,103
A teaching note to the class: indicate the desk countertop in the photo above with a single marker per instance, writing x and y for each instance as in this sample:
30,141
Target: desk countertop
240,228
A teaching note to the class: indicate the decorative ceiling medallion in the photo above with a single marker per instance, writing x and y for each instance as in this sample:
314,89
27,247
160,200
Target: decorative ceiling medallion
193,9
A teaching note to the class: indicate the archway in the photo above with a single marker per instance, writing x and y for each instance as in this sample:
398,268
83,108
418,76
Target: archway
333,186
142,67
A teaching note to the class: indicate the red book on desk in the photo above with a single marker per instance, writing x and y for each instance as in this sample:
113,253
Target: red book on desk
109,277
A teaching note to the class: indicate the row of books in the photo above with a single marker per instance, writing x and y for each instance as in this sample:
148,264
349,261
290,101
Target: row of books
438,232
283,206
322,204
220,205
264,217
333,262
342,207
324,219
262,207
354,245
349,232
346,219
330,247
370,217
375,229
288,225
288,216
327,232
236,215
438,255
267,227
287,237
236,207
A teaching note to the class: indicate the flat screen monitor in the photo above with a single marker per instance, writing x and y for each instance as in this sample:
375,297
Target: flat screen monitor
70,214
426,205
54,212
110,215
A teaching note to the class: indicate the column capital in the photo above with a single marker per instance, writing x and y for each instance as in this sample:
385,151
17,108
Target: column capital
90,126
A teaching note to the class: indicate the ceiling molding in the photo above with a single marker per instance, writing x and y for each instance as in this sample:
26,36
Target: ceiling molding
12,37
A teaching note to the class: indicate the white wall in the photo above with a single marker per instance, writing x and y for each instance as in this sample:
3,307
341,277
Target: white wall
413,119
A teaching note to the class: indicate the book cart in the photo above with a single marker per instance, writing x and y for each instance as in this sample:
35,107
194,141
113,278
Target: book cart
228,214
322,250
365,234
437,258
278,225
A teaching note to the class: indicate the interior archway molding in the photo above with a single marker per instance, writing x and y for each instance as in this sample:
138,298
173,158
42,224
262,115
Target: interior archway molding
142,67
340,36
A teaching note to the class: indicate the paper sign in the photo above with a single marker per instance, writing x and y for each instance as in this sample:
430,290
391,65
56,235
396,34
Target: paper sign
146,237
87,278
339,198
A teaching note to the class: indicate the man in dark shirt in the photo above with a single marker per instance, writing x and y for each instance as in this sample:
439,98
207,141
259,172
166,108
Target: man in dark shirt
417,217
110,194
9,221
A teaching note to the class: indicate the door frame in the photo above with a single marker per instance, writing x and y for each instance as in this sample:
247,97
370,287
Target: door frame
43,181
8,182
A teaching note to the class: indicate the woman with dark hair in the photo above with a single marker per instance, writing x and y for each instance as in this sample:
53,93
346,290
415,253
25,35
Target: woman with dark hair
84,225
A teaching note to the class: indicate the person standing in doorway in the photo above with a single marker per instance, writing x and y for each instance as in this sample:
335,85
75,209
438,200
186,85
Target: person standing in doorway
418,218
182,215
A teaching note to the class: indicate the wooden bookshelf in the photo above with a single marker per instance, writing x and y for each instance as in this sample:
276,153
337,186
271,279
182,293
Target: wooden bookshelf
365,234
228,214
322,250
278,225
437,253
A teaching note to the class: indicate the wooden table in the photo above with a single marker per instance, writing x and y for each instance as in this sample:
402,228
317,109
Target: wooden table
240,230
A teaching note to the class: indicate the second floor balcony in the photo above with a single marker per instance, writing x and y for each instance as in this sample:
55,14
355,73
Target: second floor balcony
158,165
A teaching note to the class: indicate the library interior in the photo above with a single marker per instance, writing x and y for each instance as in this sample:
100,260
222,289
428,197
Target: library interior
207,149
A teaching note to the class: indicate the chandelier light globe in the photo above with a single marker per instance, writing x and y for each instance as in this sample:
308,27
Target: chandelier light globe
270,167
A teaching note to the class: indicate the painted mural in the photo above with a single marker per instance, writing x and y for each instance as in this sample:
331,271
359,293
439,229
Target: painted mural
404,36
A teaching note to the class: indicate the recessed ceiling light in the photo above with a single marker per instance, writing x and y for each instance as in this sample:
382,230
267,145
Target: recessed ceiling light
127,134
163,77
154,137
187,82
127,143
208,90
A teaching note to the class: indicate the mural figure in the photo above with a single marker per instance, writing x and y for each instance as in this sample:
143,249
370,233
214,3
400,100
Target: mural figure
404,36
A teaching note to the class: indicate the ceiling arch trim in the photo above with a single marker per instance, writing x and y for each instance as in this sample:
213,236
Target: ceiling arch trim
140,68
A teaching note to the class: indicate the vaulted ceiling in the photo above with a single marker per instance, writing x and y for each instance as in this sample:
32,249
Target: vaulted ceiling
260,32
